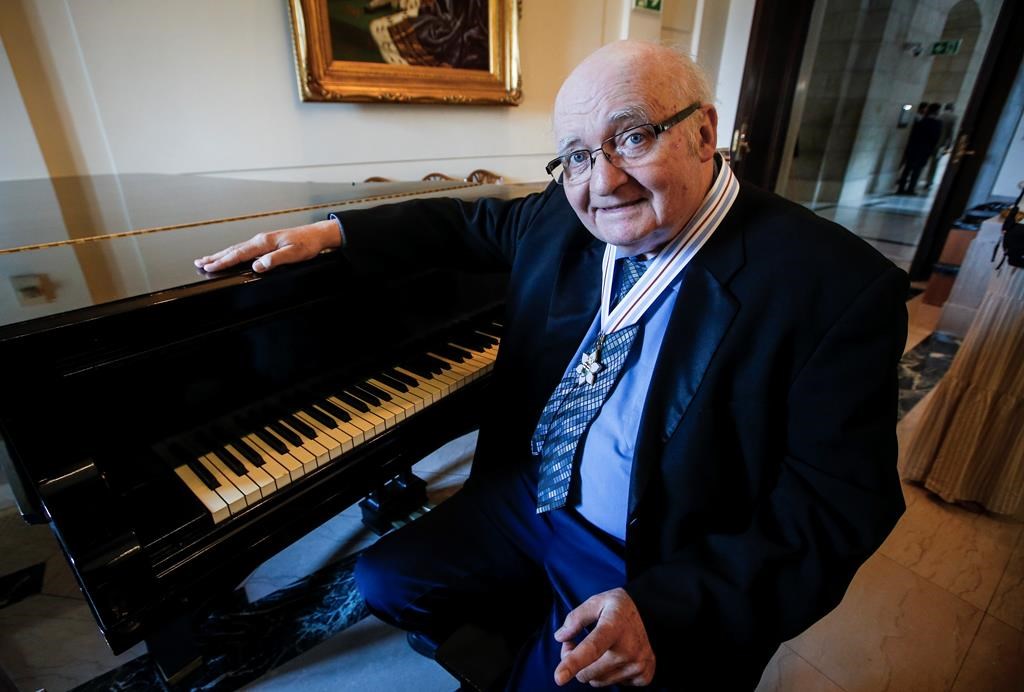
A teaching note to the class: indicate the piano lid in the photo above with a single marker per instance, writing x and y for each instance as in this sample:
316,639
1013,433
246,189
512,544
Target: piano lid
73,243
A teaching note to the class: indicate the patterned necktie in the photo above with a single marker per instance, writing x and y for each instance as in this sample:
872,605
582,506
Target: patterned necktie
574,404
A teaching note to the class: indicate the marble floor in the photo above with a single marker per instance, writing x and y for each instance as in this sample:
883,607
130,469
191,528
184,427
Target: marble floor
939,607
889,230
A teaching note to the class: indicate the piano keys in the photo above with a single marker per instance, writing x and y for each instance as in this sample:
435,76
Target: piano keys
209,421
233,471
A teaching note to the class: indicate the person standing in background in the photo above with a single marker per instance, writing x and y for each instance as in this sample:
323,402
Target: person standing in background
924,137
948,120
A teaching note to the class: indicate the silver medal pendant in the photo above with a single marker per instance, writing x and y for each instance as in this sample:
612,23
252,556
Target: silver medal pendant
589,365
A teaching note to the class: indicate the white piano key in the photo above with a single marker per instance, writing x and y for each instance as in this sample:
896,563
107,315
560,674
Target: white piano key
213,502
263,480
301,454
412,404
271,466
289,463
357,433
465,370
427,394
391,413
438,389
430,394
250,491
225,488
370,424
381,416
333,446
482,357
343,434
446,379
320,455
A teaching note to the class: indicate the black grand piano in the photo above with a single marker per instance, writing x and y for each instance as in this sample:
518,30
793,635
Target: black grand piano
176,429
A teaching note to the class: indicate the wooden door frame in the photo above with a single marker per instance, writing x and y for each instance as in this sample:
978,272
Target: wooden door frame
778,35
981,118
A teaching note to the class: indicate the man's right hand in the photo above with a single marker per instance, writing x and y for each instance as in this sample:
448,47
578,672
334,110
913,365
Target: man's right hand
274,248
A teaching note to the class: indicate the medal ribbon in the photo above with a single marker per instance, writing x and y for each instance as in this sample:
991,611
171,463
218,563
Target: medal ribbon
670,261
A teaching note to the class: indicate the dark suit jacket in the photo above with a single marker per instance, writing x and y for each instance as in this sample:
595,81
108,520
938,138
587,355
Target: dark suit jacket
765,470
924,138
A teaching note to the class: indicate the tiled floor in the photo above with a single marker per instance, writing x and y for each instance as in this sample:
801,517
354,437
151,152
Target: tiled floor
939,607
892,229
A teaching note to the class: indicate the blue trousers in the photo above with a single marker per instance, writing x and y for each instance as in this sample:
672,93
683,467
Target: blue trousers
485,557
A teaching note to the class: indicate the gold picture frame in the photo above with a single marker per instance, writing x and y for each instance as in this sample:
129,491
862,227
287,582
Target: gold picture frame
322,76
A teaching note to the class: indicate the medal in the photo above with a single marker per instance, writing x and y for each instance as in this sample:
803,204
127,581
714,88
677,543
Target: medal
663,269
589,365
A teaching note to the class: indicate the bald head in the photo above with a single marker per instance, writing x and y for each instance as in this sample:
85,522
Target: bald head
657,79
647,108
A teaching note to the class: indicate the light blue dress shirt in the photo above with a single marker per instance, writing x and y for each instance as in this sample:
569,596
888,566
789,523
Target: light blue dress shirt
607,457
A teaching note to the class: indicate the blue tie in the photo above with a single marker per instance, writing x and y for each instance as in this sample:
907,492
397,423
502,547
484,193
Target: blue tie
573,406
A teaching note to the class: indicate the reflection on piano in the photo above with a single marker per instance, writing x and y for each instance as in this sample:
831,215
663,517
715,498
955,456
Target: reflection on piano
177,436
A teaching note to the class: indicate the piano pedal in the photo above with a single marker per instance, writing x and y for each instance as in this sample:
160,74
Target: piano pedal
395,504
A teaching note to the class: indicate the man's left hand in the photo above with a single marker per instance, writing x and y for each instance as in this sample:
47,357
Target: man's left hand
616,651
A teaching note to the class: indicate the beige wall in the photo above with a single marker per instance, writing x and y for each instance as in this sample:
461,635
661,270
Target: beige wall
190,86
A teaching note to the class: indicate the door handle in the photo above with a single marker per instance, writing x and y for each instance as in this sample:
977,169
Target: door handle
961,149
740,143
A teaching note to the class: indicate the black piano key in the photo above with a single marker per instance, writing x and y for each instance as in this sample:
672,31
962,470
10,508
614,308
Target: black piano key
246,450
229,460
451,353
466,352
375,391
468,339
438,363
408,380
183,456
393,383
430,364
335,410
485,342
353,402
299,427
489,339
203,474
319,416
358,391
286,434
271,441
435,365
418,368
469,343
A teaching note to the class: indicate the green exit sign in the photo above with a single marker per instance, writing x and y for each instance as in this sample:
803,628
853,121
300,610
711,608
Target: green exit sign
652,5
947,47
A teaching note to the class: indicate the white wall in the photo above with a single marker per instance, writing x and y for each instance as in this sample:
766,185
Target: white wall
679,24
191,86
723,35
20,156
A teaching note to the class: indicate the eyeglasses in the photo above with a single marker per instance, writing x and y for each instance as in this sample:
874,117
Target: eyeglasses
622,148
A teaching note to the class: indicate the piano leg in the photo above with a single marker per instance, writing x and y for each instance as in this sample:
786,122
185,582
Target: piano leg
394,503
175,650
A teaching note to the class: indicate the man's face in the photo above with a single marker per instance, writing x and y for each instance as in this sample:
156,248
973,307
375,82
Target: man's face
641,206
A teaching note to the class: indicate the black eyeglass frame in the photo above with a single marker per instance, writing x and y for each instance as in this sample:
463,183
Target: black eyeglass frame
658,128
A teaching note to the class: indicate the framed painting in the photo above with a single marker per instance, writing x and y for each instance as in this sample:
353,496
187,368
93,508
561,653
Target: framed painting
415,51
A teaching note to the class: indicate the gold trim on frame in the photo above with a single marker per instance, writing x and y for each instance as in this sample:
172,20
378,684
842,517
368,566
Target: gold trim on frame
321,78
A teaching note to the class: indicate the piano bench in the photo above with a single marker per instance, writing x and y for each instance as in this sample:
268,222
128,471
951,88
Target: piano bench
477,658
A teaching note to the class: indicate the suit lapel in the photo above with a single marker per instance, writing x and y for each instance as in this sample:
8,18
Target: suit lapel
575,296
701,317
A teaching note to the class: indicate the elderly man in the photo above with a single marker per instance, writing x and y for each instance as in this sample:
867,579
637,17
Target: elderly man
692,446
